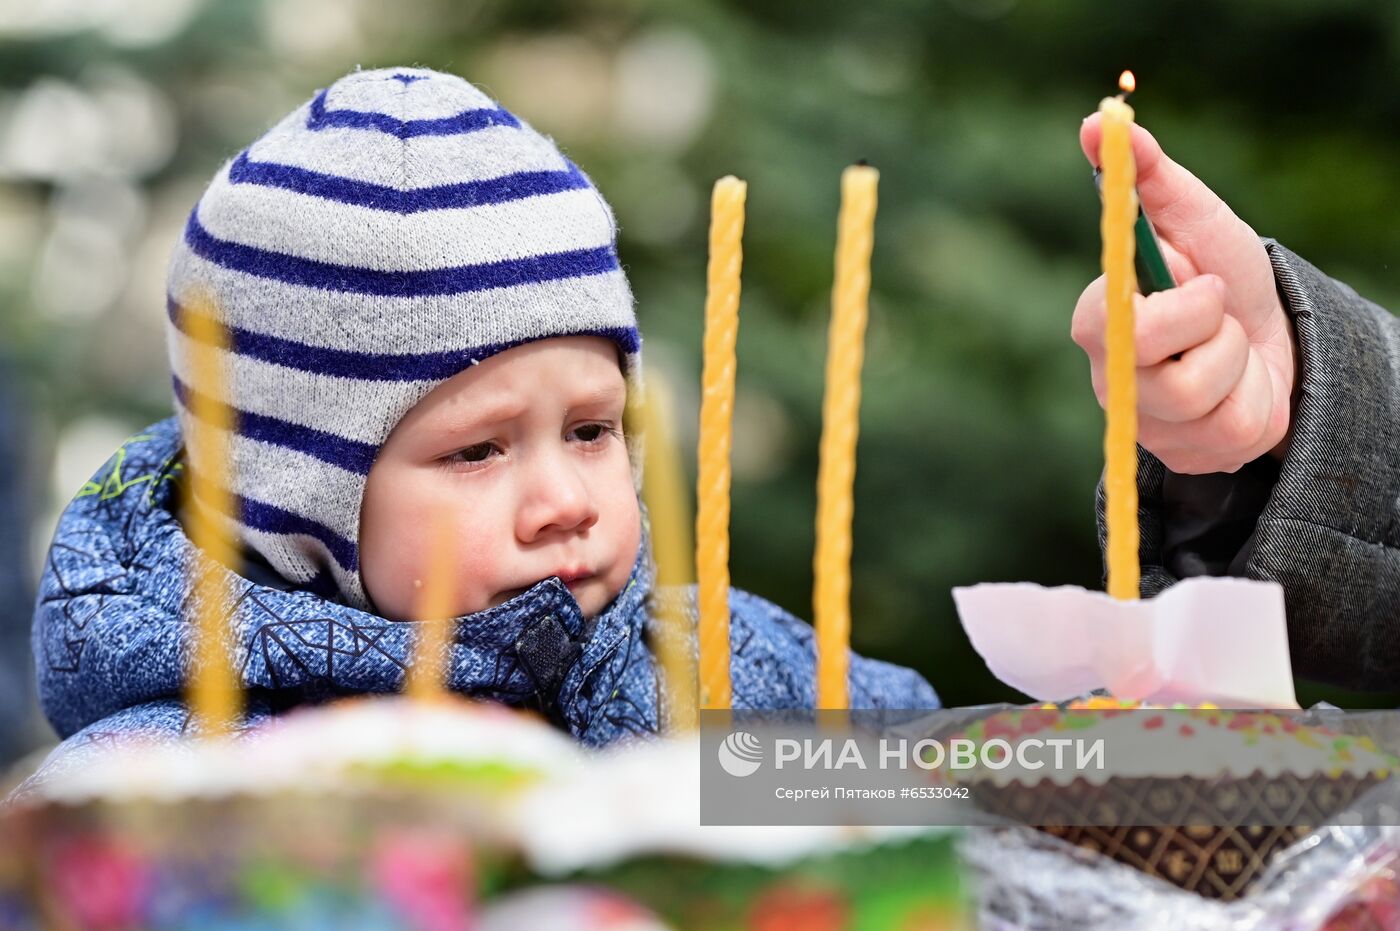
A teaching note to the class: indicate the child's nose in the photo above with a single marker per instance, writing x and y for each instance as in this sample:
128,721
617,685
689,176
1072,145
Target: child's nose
556,501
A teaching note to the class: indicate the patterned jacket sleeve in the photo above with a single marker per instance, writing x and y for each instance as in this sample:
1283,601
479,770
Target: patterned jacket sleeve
774,664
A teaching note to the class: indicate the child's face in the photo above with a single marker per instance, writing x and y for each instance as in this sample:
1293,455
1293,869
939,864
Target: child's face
521,461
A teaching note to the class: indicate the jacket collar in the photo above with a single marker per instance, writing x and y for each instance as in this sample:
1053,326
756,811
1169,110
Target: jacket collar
535,650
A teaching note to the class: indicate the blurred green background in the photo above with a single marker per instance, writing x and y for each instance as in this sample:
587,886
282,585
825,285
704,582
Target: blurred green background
980,439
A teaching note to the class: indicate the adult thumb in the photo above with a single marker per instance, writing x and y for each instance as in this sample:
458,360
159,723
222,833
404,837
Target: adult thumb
1178,203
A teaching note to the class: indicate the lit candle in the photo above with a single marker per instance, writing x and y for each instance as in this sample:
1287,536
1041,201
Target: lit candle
214,695
664,491
716,438
831,565
432,609
1120,434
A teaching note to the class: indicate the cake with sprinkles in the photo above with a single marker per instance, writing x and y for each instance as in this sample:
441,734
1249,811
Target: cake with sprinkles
1201,797
442,815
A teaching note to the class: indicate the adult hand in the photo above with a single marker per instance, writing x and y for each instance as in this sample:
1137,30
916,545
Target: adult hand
1216,357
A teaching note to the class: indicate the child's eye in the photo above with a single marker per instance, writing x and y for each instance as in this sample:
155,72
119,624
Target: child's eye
596,432
472,455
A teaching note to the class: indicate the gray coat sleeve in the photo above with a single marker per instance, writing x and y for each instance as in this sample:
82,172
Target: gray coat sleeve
1325,523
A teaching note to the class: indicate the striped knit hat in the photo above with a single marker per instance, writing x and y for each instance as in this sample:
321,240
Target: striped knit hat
395,229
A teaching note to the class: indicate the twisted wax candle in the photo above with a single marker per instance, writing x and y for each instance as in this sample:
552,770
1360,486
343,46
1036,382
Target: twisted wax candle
214,694
427,676
664,492
716,438
831,564
1120,433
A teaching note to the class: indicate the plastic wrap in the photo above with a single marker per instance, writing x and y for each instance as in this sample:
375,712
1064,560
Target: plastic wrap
1345,877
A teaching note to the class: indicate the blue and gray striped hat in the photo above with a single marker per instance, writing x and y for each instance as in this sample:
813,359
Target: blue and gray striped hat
395,229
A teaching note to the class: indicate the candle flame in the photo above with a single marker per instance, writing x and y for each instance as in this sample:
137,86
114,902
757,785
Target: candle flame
1126,82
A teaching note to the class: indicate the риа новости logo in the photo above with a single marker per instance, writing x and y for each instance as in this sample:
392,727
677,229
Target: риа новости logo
741,754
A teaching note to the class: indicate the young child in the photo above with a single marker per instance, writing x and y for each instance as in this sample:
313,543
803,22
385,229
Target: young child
428,325
1269,406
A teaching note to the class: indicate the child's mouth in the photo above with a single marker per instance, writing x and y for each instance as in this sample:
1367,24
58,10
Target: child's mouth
574,577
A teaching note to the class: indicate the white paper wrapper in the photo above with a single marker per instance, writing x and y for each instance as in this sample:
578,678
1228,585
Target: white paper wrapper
1222,640
644,799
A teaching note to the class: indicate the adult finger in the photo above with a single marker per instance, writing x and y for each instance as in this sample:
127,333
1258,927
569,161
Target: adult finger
1190,388
1171,322
1166,323
1235,429
1086,327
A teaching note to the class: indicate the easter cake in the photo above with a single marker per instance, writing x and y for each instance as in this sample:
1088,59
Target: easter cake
448,814
1201,797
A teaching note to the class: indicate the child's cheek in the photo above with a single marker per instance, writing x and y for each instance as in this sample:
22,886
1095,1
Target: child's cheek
394,574
396,559
481,575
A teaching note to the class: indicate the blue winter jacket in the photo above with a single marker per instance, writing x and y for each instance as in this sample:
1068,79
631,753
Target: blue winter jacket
112,639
